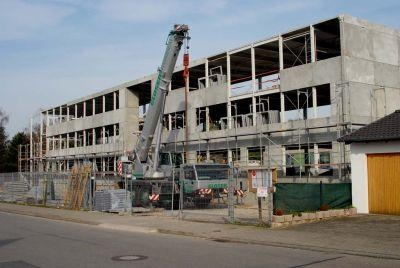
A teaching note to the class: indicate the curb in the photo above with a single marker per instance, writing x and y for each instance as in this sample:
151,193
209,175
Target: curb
50,217
284,245
127,228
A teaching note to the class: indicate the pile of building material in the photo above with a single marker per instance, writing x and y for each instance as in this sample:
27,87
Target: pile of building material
78,185
112,200
14,191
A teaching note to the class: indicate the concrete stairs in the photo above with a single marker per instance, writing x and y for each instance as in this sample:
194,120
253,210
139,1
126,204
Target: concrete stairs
14,191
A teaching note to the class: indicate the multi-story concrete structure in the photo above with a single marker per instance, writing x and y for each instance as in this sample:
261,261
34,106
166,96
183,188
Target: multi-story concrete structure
280,102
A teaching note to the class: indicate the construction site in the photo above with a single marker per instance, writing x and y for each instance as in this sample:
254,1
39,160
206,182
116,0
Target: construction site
276,104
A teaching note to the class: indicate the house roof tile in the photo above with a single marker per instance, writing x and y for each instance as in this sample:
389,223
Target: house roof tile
385,129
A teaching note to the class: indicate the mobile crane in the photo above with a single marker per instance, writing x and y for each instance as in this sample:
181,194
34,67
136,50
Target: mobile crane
145,166
200,182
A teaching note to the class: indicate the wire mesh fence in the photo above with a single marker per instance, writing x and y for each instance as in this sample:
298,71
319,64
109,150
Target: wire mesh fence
33,187
198,192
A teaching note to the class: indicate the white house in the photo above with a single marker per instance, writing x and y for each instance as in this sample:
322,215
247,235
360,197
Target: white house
375,165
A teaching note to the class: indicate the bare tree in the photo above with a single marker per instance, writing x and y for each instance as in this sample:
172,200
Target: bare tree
3,139
3,118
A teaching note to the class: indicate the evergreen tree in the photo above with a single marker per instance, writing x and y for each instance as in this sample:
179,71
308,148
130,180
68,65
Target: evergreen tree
11,163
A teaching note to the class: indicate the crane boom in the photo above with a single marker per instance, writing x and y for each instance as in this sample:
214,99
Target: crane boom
155,112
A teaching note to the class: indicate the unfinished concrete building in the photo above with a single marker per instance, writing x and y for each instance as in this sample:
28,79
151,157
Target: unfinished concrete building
280,102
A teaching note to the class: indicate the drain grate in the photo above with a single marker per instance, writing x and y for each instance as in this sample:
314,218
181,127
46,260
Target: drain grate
129,258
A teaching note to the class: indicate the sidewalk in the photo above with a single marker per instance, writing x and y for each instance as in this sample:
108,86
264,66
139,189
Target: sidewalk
363,235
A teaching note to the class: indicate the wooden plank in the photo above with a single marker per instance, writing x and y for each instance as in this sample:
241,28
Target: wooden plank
384,183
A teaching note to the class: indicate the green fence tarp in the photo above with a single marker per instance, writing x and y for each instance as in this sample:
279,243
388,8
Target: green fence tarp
298,197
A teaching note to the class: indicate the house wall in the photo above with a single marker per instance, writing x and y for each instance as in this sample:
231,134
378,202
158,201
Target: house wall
359,169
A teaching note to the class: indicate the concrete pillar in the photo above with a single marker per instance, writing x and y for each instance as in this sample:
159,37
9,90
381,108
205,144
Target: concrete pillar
283,152
93,106
93,136
313,44
314,101
67,145
103,136
60,142
76,111
84,109
207,118
47,119
41,137
230,158
207,82
115,132
84,137
228,70
282,114
280,52
169,122
75,139
316,157
47,144
115,100
244,156
104,104
253,85
54,116
67,113
191,157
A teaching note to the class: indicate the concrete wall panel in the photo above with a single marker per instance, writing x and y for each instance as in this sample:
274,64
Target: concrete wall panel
175,101
360,101
385,47
296,77
392,99
356,41
318,73
359,70
327,71
371,43
386,75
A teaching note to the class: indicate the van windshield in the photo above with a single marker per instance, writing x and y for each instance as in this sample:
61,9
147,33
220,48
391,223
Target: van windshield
212,174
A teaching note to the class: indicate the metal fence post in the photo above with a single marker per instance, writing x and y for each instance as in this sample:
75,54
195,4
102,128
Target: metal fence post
231,205
12,187
173,191
270,198
181,195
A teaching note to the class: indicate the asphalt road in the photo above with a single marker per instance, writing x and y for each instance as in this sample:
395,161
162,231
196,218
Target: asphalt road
34,242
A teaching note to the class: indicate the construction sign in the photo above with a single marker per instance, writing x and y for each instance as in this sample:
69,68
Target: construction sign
260,177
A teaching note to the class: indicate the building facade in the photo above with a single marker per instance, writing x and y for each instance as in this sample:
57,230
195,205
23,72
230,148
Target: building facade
281,102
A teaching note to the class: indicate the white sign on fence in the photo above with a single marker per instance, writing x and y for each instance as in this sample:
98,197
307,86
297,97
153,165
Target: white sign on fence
262,191
260,178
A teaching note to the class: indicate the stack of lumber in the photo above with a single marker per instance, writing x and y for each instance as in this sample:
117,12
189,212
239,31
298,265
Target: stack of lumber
77,188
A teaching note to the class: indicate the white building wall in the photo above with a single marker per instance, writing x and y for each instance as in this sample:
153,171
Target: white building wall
359,169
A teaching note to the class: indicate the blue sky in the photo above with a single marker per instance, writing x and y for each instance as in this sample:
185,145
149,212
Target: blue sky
55,51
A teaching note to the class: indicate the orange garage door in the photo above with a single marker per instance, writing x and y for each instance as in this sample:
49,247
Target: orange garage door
384,183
